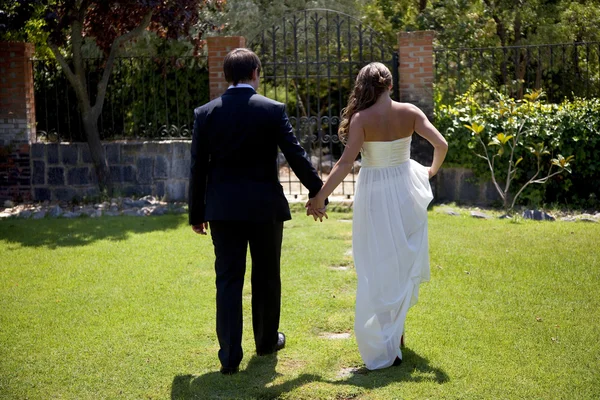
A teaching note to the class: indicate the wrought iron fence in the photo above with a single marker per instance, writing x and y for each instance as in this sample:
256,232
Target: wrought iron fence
561,70
310,60
147,97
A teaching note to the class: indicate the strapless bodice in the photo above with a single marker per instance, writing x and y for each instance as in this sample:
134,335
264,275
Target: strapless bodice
386,154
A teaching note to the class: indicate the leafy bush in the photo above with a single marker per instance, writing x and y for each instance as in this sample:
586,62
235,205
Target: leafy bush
569,128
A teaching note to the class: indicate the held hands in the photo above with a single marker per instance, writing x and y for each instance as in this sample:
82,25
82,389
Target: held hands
316,207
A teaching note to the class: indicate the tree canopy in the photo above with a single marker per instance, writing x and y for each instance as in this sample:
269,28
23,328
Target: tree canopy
483,23
248,17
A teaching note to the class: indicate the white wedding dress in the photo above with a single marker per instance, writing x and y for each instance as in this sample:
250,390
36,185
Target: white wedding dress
390,247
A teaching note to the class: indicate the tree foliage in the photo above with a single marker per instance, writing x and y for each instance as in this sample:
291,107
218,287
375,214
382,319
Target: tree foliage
248,17
23,21
515,124
483,23
108,21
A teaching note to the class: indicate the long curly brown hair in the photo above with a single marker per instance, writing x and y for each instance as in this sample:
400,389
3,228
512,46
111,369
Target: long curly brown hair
372,80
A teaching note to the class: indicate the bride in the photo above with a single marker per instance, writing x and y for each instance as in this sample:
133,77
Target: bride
389,231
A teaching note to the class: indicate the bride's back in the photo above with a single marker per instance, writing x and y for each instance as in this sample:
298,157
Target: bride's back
387,120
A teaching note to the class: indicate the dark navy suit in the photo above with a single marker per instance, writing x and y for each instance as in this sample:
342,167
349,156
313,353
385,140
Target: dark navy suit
234,186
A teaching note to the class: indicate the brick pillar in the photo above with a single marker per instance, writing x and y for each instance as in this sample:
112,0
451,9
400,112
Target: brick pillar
17,120
415,50
218,47
416,69
17,109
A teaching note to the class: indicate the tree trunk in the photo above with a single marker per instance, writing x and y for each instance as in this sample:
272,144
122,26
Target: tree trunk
90,126
77,78
507,204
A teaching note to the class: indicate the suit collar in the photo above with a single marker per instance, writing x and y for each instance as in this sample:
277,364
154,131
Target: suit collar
241,90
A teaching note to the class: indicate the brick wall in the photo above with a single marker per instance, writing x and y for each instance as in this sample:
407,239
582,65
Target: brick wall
415,50
65,171
17,119
218,47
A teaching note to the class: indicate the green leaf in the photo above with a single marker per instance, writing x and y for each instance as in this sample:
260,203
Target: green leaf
475,127
518,161
534,95
502,138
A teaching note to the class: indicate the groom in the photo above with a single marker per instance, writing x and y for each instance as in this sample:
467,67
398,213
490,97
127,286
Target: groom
234,187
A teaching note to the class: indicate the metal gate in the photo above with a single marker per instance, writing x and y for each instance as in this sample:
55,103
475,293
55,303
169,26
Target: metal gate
310,60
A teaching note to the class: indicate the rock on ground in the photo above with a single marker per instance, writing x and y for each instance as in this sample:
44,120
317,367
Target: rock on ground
39,214
480,215
538,215
55,211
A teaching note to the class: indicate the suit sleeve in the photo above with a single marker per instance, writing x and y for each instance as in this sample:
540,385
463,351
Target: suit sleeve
296,156
198,172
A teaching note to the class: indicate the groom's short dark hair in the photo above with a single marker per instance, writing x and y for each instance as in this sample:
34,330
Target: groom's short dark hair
239,64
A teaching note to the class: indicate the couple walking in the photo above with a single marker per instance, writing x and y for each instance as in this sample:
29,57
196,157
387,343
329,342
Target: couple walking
234,189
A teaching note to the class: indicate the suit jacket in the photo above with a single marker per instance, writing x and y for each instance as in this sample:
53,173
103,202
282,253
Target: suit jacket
234,160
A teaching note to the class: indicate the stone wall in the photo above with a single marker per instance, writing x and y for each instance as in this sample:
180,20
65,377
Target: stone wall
460,185
15,172
61,172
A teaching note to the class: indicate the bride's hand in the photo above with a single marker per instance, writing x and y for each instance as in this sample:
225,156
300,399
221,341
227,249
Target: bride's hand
317,203
316,207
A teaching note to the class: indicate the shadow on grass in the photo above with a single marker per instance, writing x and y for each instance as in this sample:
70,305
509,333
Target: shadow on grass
255,381
414,368
53,233
251,383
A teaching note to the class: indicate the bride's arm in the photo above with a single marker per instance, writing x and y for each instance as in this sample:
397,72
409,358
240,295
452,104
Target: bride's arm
344,165
440,147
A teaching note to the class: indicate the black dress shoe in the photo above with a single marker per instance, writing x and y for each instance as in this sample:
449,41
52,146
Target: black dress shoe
397,361
278,346
229,370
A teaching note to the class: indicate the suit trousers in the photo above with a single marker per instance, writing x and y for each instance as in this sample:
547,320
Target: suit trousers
231,240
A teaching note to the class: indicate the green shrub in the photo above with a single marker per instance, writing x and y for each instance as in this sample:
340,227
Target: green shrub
570,128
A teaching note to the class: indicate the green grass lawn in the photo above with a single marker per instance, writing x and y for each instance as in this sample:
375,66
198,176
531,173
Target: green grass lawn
124,307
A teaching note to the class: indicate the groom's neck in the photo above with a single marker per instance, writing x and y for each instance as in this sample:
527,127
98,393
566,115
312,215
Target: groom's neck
252,83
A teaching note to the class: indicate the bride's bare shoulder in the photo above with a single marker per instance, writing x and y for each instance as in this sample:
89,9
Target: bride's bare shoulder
405,107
